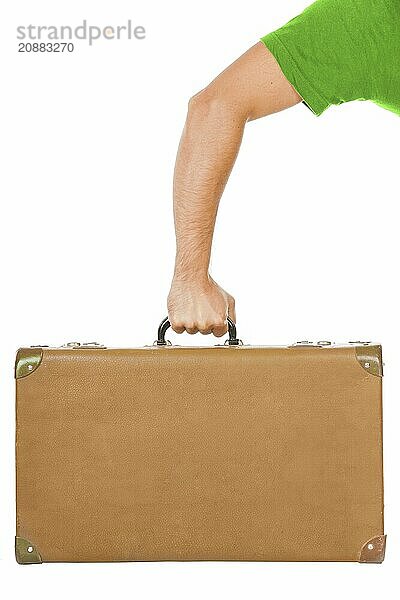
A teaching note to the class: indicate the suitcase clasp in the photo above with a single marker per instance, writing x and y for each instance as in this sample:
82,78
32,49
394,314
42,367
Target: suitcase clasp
312,344
83,345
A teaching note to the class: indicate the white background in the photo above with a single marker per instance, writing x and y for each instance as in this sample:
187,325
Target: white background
88,148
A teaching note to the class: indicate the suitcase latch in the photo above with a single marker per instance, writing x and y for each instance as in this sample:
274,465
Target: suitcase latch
84,345
312,344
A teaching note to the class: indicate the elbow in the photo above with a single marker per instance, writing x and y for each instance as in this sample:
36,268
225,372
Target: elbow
213,103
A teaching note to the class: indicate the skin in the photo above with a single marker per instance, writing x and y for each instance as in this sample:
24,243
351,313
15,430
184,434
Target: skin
250,88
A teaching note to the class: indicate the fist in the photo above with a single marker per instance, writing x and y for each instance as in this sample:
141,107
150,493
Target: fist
200,305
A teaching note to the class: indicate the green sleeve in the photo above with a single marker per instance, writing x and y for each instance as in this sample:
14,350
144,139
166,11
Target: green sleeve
337,51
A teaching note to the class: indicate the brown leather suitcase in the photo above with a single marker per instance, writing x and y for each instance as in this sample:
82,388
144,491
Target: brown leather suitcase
225,452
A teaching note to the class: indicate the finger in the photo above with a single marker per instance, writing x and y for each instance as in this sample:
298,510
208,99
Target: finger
220,329
204,327
192,329
205,331
177,326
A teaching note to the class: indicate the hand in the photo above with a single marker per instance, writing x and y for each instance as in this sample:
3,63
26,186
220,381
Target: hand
199,305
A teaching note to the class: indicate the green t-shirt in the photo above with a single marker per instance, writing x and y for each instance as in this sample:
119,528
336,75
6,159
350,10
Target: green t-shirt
336,51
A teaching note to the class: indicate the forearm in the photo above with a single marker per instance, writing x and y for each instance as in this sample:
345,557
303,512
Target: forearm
251,87
208,148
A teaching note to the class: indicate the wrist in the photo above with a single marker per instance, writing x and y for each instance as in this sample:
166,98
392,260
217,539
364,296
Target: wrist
196,275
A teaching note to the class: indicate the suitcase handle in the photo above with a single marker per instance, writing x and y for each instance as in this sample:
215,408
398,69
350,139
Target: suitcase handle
165,324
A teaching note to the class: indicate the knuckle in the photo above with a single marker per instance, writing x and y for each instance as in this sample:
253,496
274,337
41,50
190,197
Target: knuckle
175,322
220,324
177,326
219,333
178,329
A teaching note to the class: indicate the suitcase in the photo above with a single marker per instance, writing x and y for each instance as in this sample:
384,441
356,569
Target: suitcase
223,452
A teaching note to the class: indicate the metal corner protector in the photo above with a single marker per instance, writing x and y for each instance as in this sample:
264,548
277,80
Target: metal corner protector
27,361
373,550
370,358
26,553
